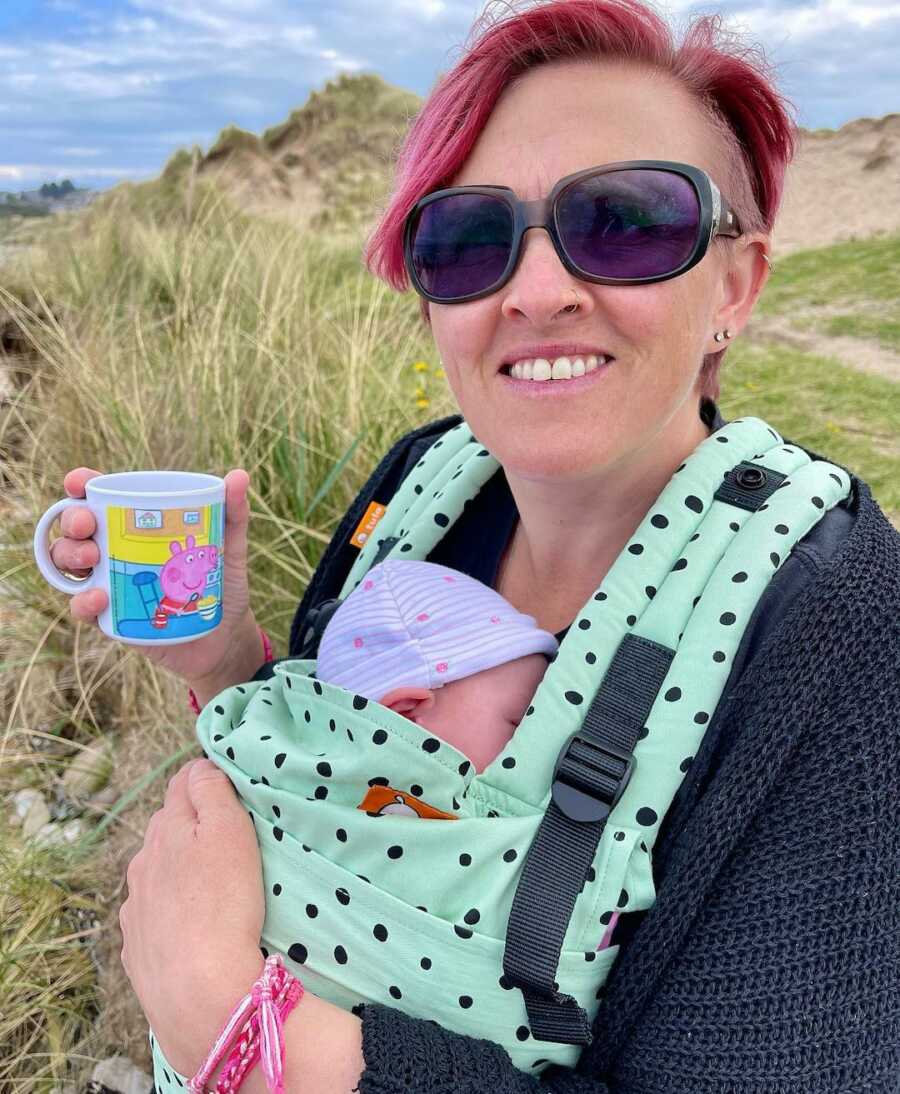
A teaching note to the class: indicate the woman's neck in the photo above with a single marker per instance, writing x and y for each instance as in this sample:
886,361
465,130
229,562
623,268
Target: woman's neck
569,535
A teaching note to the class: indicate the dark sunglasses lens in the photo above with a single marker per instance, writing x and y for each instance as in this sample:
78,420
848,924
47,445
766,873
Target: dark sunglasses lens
460,244
630,223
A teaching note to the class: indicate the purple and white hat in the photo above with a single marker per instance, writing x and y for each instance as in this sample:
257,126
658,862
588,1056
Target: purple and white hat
419,624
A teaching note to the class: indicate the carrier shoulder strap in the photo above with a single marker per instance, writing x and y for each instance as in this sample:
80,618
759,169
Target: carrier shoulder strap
320,599
592,771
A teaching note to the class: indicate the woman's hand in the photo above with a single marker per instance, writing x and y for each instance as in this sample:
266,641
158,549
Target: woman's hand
234,648
192,921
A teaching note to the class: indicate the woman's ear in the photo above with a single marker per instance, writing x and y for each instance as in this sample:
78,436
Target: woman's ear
411,702
746,275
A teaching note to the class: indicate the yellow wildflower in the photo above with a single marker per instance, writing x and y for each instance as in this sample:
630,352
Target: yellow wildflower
421,393
421,366
422,403
439,372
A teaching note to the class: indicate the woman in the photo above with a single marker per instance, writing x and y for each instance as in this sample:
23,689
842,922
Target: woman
768,960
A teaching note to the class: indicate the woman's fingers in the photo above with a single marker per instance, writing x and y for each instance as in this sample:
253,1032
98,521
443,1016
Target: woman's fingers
74,480
88,605
176,791
75,552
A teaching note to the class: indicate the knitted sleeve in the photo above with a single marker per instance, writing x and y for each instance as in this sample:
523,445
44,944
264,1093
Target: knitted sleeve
406,1055
770,961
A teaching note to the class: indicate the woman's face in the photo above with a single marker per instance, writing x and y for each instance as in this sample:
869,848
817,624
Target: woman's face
561,118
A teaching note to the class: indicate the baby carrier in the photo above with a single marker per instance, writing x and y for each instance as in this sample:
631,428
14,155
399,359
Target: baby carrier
484,911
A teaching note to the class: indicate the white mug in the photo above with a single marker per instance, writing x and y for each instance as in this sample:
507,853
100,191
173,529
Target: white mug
161,540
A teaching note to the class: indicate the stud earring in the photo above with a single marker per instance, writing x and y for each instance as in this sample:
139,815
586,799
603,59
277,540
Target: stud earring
722,335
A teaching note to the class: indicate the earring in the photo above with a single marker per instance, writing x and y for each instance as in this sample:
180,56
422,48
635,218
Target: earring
721,335
572,307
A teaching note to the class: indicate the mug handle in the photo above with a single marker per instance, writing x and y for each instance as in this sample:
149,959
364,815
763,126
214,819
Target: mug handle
42,552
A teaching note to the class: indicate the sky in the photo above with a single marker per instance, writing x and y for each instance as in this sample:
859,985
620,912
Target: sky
99,91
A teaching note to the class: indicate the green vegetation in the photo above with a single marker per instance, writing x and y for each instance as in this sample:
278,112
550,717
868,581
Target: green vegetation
10,210
57,190
846,272
162,328
842,415
351,112
846,289
886,331
231,140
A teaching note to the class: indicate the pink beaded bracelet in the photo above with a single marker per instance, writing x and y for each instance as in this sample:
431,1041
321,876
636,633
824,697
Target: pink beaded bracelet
272,997
267,656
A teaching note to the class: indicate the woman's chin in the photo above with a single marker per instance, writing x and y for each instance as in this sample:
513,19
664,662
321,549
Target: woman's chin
551,459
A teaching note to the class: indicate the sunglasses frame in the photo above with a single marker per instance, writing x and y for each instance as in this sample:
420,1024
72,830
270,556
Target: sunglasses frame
717,218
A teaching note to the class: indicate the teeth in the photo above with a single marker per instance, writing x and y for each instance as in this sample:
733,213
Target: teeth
563,368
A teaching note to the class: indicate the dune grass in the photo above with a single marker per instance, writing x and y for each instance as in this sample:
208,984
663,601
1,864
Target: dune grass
209,340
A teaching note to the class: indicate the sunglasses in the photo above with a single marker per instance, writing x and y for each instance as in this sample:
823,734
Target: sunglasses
627,223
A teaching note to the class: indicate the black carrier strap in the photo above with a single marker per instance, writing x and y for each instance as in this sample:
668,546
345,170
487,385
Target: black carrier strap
593,769
339,555
318,618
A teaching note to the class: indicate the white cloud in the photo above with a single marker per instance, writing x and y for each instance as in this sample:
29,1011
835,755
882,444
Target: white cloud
126,25
812,20
20,171
429,9
81,151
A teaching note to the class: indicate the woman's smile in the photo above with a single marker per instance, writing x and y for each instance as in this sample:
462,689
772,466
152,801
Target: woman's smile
543,386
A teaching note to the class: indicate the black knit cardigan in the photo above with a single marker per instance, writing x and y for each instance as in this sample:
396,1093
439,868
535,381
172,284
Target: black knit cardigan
770,961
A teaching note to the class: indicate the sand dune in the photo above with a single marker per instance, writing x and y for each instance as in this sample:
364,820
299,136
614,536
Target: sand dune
843,185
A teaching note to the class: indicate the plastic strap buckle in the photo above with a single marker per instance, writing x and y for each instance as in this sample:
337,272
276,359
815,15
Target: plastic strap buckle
582,766
317,619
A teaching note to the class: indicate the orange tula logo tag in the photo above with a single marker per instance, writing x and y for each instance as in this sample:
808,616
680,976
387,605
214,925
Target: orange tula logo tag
367,525
381,800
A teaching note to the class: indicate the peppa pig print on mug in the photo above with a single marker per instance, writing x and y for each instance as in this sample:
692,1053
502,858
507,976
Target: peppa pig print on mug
164,570
160,535
182,578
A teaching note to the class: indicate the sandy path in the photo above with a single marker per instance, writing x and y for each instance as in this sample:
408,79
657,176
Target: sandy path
859,353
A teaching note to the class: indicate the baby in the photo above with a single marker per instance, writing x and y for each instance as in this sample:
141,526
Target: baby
443,650
440,648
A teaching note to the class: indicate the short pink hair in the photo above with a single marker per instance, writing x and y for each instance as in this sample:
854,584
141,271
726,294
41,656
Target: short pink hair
732,83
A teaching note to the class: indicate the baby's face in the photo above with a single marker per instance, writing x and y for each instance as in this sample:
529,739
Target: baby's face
479,713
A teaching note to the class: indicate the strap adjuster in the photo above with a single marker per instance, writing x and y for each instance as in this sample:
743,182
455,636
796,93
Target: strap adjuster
581,763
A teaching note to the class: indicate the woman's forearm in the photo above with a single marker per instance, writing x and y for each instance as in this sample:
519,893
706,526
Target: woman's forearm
322,1051
322,1044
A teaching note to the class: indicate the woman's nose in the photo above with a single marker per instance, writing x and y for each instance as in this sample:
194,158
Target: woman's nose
541,286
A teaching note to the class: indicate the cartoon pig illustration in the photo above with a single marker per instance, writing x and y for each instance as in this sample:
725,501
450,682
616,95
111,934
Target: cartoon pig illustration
183,579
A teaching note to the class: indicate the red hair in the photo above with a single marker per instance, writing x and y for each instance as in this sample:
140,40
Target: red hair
731,82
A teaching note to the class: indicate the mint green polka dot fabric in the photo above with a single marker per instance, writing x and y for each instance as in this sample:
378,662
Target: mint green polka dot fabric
367,905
